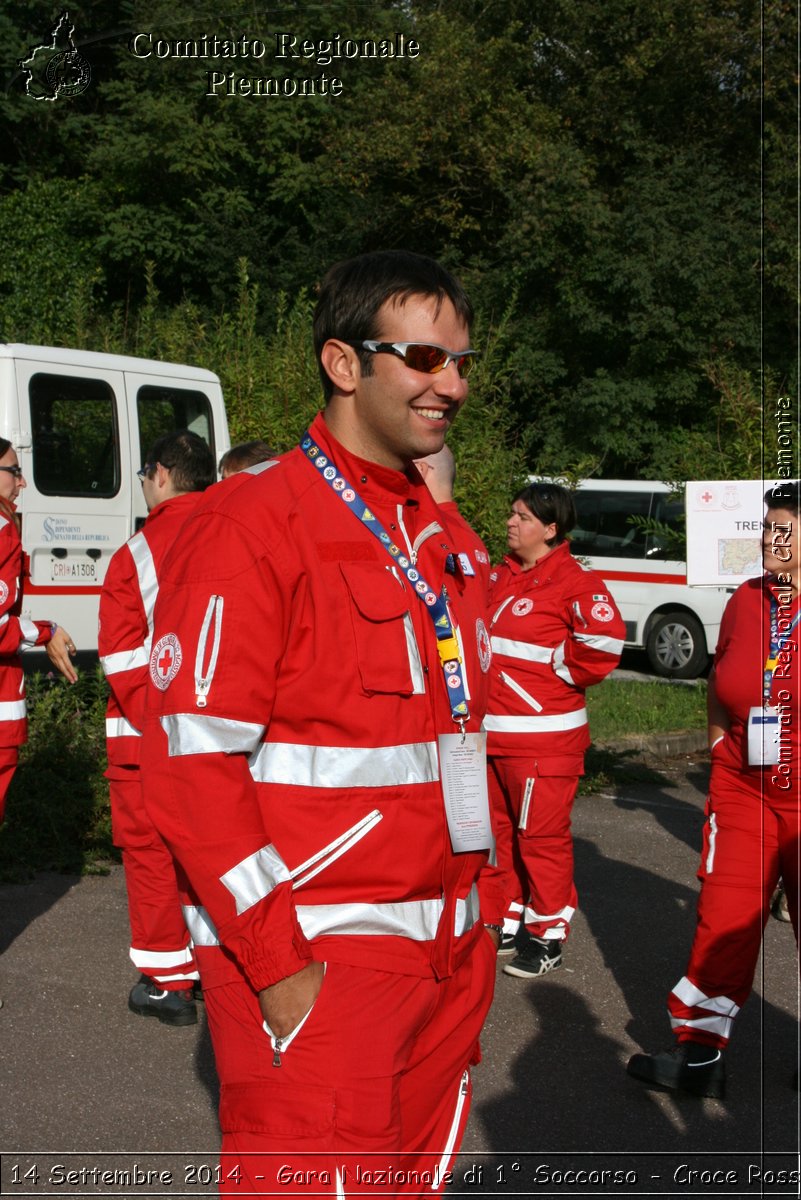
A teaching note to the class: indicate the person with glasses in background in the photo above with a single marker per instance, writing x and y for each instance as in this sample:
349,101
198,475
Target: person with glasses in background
320,673
17,632
555,631
179,468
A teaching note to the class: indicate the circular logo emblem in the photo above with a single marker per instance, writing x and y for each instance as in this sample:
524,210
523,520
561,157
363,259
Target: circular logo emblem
348,495
68,73
165,661
413,575
330,472
602,612
454,681
3,591
521,607
421,587
484,645
430,598
320,461
451,666
338,484
403,562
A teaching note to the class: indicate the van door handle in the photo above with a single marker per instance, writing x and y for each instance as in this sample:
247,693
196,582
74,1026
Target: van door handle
94,553
59,552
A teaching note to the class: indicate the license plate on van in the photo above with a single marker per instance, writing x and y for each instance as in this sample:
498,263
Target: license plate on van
73,571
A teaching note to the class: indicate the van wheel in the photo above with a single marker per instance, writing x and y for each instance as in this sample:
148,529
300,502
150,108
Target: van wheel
676,646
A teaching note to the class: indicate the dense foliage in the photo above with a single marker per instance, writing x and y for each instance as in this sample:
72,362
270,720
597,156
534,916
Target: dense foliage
614,181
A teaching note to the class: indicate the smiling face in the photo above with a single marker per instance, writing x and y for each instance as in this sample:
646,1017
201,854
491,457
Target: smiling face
10,487
396,414
526,535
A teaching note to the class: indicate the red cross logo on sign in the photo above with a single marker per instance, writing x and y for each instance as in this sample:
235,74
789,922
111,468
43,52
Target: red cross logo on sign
165,661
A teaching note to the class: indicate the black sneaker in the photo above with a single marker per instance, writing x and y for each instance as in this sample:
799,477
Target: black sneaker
536,957
689,1067
508,943
172,1008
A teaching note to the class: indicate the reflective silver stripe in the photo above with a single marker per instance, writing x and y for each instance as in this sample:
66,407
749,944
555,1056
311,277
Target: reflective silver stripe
200,925
345,766
415,663
713,837
148,580
4,619
559,666
566,914
12,710
414,919
500,608
686,991
524,650
468,912
597,641
119,727
257,468
160,959
214,612
722,1026
30,633
3,522
524,807
453,1133
194,733
572,720
255,877
124,660
521,691
334,850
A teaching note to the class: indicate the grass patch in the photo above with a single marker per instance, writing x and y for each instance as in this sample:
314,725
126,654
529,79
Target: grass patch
618,707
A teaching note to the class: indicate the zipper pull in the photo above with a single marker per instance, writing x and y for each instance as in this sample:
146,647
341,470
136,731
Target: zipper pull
277,1043
202,686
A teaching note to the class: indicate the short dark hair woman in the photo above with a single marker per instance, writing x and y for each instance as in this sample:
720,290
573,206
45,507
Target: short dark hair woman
555,631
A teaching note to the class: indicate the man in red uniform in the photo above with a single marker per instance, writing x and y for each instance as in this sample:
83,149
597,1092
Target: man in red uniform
179,467
555,631
752,832
313,758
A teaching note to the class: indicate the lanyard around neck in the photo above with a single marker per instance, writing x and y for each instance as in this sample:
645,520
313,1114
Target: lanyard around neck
436,605
777,644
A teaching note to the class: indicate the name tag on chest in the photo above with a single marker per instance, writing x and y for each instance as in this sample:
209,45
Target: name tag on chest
763,737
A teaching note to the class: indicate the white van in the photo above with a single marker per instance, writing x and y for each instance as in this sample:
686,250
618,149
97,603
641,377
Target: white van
676,625
81,424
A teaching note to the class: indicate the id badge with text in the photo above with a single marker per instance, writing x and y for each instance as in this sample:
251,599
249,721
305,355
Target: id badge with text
763,737
463,765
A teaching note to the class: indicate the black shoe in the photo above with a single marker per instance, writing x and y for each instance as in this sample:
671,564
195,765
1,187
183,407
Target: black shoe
172,1008
536,957
689,1067
508,944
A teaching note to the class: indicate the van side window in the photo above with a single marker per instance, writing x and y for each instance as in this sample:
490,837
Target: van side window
604,527
75,441
162,410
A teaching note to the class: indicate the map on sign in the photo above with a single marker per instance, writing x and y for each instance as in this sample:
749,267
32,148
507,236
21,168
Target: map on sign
724,530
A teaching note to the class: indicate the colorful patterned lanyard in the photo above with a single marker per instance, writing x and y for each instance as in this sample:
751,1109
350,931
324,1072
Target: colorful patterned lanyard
436,605
777,644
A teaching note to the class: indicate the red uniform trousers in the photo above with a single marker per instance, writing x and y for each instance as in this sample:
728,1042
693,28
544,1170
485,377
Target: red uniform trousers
533,844
9,757
751,838
160,944
375,1079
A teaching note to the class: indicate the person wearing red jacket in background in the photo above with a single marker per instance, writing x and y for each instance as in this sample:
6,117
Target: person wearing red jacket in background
313,757
179,467
555,631
18,632
753,811
439,475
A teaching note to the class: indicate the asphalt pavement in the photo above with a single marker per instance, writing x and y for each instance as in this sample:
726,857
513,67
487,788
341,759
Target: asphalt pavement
98,1101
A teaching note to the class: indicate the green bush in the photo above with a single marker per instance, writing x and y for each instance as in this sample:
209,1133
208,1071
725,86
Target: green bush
58,816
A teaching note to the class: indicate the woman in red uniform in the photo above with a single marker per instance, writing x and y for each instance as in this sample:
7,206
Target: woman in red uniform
752,829
555,631
18,632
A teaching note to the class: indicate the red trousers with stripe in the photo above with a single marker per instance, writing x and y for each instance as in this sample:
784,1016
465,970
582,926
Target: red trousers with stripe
751,839
160,944
375,1079
9,757
534,844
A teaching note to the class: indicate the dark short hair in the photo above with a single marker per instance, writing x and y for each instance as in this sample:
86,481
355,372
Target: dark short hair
188,459
784,495
246,454
5,446
353,292
553,504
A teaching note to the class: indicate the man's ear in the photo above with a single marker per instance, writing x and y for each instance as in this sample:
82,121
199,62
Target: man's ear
341,364
162,475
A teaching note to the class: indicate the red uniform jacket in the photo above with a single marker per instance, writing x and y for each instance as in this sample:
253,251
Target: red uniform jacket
16,632
555,631
742,651
291,758
126,623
